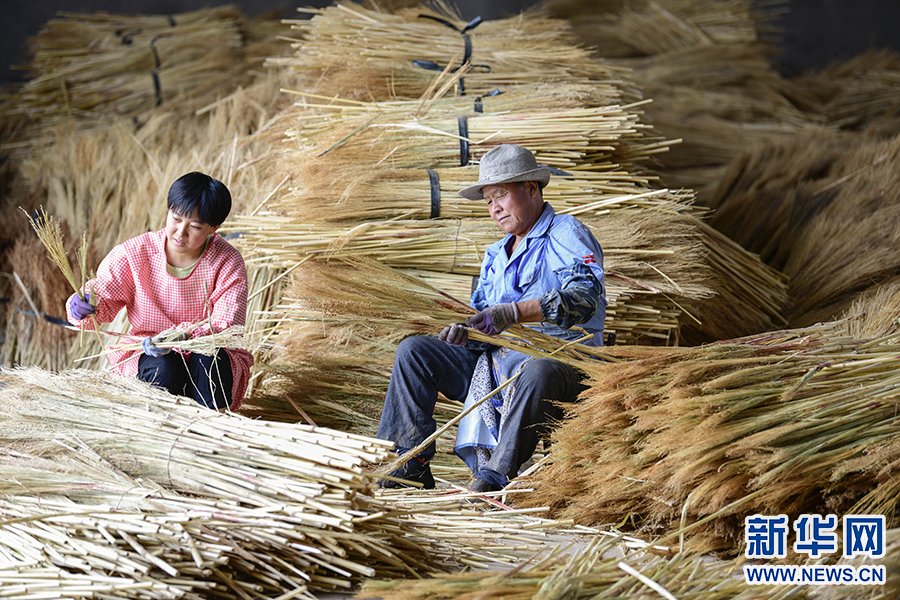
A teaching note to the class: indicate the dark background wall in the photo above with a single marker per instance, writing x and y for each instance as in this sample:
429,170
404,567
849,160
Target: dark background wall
813,32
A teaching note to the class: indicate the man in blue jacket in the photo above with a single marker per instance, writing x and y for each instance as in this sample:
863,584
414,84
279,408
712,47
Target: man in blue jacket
548,272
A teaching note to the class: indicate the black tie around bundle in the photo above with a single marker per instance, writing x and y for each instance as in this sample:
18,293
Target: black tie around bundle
467,56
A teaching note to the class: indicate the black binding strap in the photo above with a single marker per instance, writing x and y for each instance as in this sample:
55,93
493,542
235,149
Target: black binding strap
127,36
157,87
435,193
478,107
155,51
557,172
463,125
467,55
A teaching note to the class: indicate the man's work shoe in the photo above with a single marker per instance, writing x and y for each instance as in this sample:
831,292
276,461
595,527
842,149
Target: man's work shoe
481,486
416,470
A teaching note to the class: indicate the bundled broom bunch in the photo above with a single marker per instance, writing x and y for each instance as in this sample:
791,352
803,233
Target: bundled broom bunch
815,209
94,67
705,63
792,422
859,92
365,54
110,485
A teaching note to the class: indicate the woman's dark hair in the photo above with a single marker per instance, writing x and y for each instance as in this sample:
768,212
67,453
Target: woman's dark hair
209,196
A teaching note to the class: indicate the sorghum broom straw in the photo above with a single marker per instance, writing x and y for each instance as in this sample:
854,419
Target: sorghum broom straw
642,250
595,571
365,280
753,440
562,138
92,69
50,235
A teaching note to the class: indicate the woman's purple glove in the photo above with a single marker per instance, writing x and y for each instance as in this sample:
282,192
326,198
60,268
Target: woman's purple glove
495,319
79,308
455,335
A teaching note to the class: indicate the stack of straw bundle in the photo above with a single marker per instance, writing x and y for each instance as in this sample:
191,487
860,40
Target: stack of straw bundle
814,208
792,422
107,479
860,92
560,138
93,67
625,29
365,54
654,253
705,64
744,286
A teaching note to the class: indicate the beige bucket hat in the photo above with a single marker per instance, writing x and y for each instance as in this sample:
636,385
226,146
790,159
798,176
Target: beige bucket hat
506,163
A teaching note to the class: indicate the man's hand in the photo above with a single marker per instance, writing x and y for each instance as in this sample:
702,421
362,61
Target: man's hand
495,319
455,335
79,308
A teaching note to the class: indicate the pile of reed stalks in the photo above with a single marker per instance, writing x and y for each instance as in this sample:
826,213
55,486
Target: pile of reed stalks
106,480
560,138
815,209
364,54
744,286
793,422
620,29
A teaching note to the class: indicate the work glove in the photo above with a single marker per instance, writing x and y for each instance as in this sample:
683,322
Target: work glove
495,319
79,308
148,344
455,335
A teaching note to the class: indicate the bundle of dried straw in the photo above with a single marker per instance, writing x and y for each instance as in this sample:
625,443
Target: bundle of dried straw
93,67
706,65
814,208
368,54
791,422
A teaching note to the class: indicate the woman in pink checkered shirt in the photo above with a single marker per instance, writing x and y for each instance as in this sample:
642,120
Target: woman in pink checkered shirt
182,275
